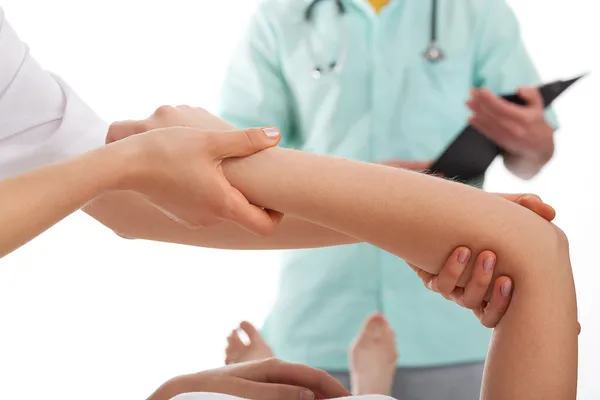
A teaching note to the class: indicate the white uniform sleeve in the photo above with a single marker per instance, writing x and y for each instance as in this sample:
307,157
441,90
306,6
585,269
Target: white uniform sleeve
41,119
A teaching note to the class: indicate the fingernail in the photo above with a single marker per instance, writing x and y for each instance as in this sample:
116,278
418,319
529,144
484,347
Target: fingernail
506,288
271,132
307,395
463,256
488,264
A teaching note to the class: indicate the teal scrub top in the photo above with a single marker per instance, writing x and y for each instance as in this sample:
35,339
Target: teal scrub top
385,103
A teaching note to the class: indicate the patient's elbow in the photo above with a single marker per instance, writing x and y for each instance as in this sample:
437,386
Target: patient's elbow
562,241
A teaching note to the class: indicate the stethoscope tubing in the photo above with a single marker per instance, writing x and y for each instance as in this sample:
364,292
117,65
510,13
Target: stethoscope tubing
433,52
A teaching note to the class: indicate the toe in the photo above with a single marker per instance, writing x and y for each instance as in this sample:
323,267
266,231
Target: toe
234,341
251,331
376,325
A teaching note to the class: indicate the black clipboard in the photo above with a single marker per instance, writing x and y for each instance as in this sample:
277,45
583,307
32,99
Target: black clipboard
469,156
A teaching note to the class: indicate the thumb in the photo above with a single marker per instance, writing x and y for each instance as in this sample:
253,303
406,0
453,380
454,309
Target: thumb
242,143
532,97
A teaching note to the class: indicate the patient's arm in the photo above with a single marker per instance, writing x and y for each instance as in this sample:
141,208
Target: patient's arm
422,219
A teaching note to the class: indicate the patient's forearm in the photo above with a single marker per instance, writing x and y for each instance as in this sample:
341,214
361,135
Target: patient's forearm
422,219
533,352
400,211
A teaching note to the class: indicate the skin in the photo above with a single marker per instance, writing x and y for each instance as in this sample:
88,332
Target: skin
62,196
35,201
356,199
131,216
424,231
360,200
261,380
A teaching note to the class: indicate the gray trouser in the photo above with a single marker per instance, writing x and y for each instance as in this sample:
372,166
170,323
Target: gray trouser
454,382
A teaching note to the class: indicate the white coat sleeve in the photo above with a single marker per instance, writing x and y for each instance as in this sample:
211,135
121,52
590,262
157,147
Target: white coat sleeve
41,119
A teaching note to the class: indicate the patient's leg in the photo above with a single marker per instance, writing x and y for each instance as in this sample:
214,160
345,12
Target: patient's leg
237,351
373,357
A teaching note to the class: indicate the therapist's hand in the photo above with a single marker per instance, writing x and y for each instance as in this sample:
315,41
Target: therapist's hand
475,294
521,131
178,170
260,380
186,181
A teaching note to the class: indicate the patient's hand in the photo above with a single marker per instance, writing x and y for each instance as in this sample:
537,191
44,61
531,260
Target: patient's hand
475,293
266,379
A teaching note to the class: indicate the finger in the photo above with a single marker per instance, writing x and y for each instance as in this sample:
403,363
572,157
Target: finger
425,276
234,339
456,295
499,107
539,207
516,197
234,344
248,216
505,124
122,129
242,143
491,314
477,287
532,202
532,97
319,382
451,272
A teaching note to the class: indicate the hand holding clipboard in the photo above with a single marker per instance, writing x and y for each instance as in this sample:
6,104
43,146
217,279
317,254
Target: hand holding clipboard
471,153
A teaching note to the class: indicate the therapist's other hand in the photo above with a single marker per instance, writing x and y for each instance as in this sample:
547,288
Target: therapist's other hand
521,131
167,117
475,294
179,171
269,379
418,166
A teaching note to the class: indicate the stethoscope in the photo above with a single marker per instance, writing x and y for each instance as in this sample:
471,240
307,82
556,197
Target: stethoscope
433,53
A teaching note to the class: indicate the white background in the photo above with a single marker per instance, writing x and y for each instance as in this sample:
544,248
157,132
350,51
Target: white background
84,313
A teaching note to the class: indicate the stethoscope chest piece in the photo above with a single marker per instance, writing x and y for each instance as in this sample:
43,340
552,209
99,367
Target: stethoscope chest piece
434,53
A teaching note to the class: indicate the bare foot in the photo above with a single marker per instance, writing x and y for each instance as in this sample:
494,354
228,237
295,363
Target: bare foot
373,357
237,351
